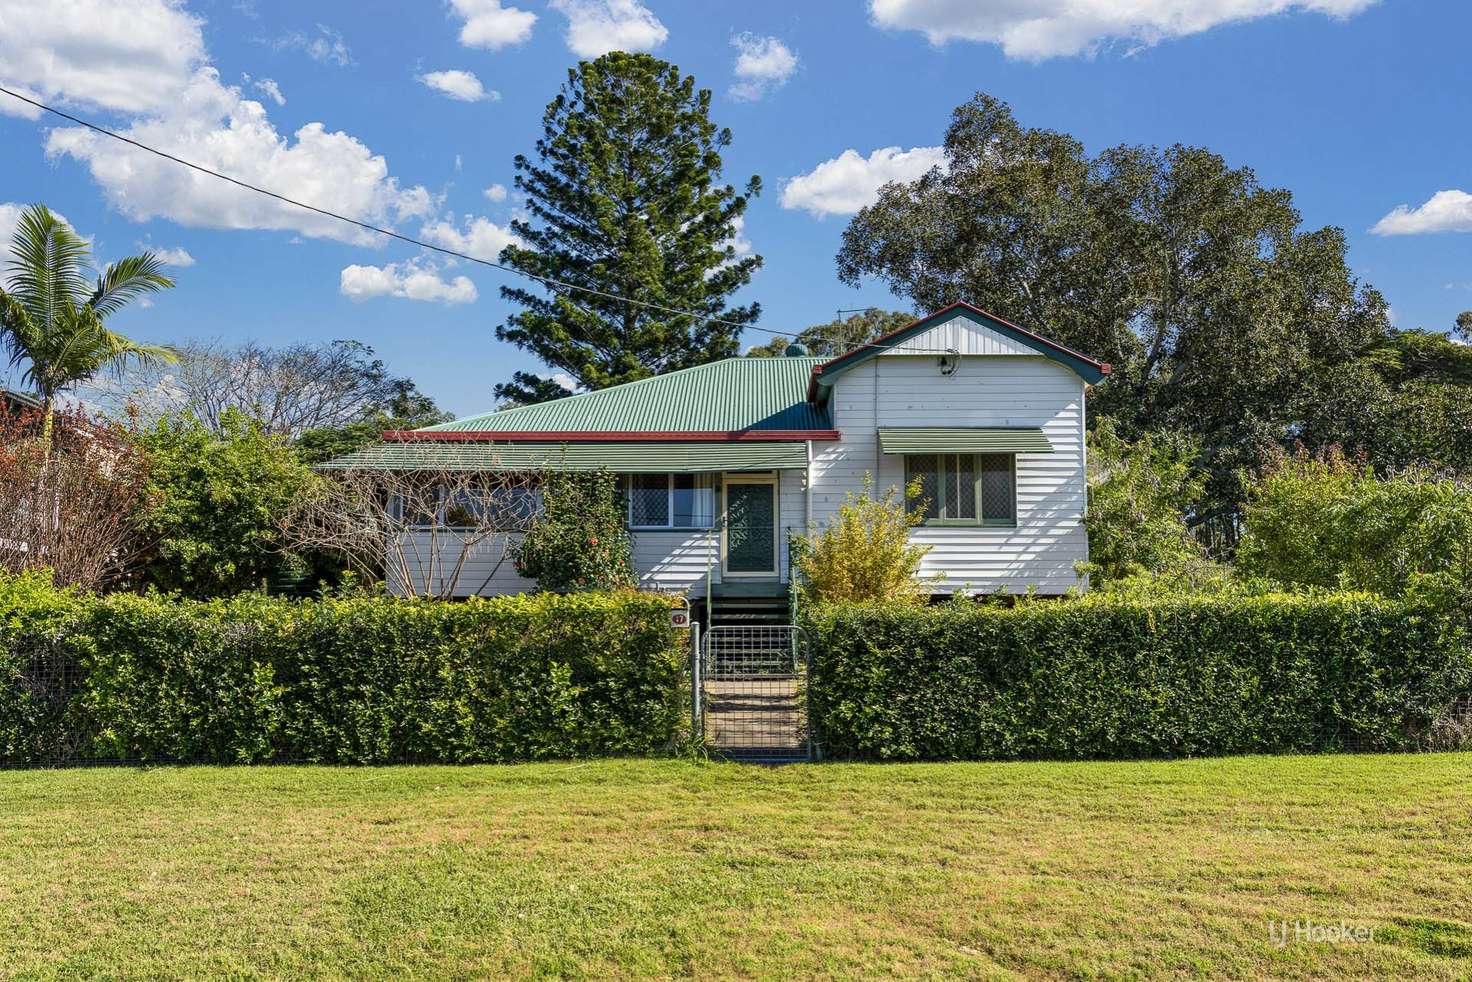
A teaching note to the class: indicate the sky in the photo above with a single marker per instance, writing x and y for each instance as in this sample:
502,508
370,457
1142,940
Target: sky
409,115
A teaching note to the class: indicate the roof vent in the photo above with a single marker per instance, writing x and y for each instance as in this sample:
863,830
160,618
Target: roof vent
795,350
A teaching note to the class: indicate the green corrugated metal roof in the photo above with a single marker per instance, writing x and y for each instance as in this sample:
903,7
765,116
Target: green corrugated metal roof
968,439
621,457
735,394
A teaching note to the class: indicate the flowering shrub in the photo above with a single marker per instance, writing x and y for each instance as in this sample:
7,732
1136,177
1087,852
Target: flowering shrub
580,541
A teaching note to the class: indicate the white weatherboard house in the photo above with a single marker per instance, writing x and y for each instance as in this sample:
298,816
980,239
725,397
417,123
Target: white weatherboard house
722,462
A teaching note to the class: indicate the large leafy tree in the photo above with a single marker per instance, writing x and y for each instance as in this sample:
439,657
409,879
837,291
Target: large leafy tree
1220,313
53,319
1407,402
624,197
842,334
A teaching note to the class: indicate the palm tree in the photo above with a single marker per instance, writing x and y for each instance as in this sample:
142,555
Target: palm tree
52,319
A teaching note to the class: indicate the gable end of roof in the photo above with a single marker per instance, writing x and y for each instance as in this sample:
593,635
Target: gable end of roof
824,374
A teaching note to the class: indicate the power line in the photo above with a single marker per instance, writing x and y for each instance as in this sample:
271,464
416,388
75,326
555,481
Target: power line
390,233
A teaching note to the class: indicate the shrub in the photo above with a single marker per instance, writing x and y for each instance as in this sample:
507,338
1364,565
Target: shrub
39,669
1139,495
1328,521
864,553
1110,677
215,504
580,541
366,680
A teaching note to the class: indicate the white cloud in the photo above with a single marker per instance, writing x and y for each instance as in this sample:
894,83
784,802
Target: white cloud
326,46
481,237
412,280
176,256
128,57
848,182
213,126
762,64
490,25
563,379
1444,211
496,192
176,102
596,27
14,107
458,84
271,89
1037,29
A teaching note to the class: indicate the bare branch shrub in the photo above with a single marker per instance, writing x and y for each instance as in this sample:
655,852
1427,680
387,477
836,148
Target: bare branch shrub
1452,730
418,531
69,505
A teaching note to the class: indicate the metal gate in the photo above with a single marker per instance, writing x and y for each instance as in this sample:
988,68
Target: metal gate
752,683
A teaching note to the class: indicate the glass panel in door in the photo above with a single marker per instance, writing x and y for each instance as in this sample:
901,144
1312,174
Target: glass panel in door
751,527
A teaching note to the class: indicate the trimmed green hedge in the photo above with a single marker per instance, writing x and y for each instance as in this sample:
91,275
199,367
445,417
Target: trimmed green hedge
367,681
1111,677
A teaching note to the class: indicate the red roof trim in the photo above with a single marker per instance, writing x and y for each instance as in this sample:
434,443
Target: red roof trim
607,436
1104,367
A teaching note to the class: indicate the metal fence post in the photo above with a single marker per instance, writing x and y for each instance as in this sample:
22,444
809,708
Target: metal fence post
695,723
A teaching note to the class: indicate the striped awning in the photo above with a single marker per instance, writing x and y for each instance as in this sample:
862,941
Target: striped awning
647,458
964,439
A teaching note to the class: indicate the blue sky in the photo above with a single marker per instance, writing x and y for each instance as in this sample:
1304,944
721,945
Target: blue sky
1358,107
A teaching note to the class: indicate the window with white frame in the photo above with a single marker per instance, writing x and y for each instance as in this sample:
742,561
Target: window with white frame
964,488
509,508
499,507
664,501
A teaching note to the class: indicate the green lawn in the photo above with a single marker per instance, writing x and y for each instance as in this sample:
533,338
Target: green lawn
665,868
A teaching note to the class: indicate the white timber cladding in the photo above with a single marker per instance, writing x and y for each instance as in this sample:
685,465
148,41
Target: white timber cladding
489,570
676,559
964,336
1041,551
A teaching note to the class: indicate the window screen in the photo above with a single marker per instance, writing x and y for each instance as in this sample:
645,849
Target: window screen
672,500
998,489
952,483
649,500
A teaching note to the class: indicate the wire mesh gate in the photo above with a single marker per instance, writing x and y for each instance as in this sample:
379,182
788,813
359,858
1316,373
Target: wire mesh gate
752,687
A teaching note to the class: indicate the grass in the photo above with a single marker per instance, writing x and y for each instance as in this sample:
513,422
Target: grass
666,868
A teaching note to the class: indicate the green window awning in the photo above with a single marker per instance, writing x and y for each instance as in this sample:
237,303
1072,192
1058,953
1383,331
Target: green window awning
635,458
963,439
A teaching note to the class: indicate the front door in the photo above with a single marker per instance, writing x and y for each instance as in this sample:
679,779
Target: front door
751,525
